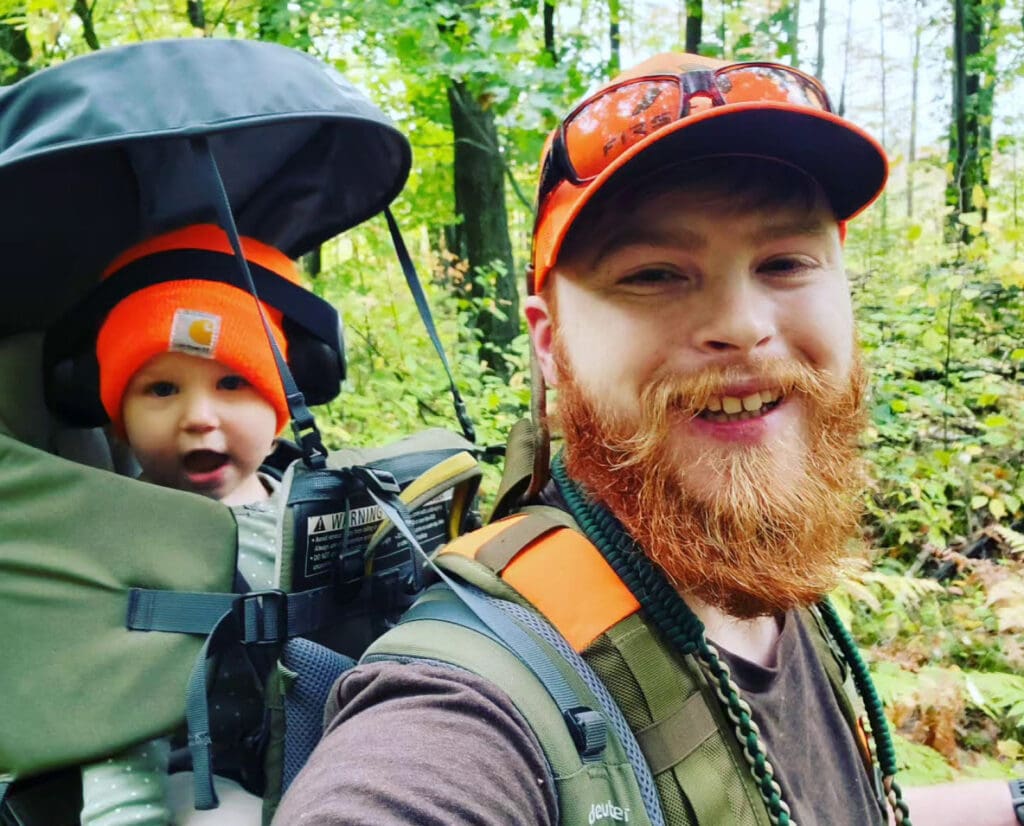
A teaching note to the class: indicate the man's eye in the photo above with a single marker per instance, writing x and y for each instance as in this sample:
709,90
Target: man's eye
652,276
232,383
161,389
785,266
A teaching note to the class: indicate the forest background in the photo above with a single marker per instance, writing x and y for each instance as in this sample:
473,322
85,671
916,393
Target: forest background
935,266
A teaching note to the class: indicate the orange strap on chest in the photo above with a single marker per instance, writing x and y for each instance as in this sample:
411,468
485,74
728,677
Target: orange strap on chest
561,574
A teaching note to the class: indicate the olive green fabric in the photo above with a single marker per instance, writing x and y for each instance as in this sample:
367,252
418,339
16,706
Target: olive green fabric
688,739
582,787
73,540
700,772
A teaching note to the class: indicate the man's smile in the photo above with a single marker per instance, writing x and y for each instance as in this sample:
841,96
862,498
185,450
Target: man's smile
728,408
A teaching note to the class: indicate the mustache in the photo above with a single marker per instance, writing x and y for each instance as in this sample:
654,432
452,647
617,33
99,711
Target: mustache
689,394
667,399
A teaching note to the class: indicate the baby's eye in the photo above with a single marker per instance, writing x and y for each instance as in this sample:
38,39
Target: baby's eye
161,388
232,382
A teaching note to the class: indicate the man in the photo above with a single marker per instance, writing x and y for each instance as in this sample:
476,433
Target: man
690,305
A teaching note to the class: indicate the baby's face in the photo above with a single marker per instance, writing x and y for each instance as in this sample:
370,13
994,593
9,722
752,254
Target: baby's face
196,425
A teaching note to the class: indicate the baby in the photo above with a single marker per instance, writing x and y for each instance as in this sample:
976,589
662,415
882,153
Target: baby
189,380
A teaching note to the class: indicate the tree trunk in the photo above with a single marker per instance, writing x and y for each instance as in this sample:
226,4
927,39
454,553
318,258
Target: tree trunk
479,174
883,79
549,31
970,143
819,63
614,37
793,33
196,14
694,24
15,44
312,262
915,68
846,58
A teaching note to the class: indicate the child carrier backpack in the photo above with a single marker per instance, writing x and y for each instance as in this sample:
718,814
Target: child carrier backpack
106,581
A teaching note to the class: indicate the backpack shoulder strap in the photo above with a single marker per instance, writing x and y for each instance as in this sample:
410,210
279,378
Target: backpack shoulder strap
594,775
542,555
541,559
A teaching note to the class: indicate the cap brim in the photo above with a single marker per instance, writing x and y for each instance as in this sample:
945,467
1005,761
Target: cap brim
848,163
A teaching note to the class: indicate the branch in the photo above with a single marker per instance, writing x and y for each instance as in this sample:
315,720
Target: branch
84,11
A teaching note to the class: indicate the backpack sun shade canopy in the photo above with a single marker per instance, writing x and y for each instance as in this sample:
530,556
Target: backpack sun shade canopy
95,155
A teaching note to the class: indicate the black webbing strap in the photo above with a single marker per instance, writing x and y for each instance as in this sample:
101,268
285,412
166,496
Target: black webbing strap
255,618
304,428
264,617
409,271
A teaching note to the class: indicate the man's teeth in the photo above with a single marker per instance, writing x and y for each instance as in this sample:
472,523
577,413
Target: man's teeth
731,408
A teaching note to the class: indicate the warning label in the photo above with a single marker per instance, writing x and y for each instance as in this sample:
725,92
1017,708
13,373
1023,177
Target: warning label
328,534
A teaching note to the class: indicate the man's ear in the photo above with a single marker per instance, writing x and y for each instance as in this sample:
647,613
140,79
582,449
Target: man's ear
541,324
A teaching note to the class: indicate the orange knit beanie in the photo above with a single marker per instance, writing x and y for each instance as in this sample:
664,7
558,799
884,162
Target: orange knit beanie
210,319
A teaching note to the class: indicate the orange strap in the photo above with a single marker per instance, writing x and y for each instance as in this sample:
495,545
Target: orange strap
563,576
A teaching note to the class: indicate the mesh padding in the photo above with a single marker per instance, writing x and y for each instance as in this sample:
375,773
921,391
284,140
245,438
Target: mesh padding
714,753
611,710
317,668
606,660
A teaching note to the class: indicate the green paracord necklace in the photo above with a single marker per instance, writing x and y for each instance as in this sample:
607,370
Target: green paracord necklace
674,619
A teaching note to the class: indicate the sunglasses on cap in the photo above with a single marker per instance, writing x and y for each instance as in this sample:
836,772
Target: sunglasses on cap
609,122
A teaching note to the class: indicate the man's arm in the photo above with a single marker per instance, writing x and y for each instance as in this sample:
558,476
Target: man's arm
414,744
980,803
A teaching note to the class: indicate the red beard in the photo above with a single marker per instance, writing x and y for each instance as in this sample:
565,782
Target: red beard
773,530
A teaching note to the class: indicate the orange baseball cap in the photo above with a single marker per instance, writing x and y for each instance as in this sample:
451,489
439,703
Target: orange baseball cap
210,319
849,164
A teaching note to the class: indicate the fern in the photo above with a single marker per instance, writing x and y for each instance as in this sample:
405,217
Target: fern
1010,541
999,695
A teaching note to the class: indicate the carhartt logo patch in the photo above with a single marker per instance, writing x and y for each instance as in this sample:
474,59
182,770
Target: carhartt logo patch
194,333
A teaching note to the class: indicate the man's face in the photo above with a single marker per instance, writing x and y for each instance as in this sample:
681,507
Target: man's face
700,354
198,426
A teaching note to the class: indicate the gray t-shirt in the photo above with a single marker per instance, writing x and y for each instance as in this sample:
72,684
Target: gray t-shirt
423,745
812,750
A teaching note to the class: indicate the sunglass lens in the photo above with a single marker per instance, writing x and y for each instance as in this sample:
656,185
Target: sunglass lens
743,84
607,126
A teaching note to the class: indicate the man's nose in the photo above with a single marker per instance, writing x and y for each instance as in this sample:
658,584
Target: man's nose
737,317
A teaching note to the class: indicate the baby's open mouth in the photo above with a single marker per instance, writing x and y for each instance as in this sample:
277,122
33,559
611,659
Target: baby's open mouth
204,461
736,408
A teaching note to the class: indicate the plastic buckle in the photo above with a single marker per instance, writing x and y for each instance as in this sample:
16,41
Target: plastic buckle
379,481
262,616
1017,798
588,729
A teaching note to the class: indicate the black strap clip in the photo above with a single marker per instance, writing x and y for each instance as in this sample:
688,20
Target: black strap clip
589,731
262,616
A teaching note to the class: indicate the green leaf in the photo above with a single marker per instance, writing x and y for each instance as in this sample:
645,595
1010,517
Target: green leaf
978,501
970,219
997,508
995,420
931,340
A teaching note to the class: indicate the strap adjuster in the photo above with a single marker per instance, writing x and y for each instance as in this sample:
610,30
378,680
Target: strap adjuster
262,616
589,731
